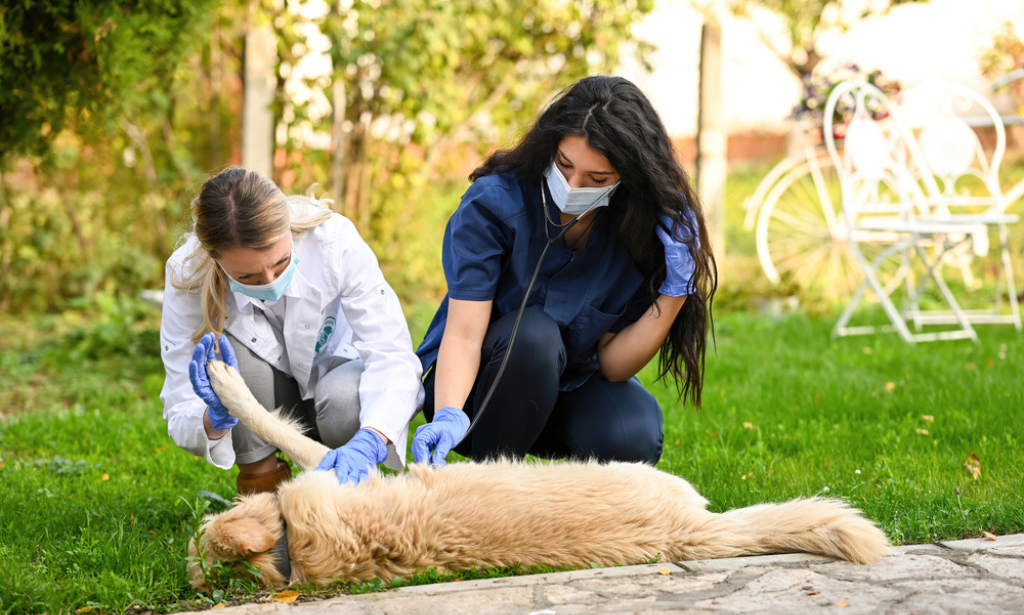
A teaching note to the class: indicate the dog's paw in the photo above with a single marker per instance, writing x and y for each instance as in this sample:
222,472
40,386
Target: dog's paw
231,388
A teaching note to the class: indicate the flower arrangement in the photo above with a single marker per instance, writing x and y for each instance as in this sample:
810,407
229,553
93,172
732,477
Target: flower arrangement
817,89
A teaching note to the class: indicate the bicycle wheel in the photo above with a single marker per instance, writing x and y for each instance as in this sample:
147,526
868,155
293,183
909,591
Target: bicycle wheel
801,234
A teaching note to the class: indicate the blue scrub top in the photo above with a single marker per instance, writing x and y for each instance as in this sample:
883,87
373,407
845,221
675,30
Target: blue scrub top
491,247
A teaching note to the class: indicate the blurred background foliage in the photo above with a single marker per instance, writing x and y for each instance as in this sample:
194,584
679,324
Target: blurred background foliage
125,107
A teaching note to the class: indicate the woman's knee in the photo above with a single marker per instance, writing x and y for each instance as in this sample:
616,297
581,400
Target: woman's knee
629,429
641,444
537,345
337,404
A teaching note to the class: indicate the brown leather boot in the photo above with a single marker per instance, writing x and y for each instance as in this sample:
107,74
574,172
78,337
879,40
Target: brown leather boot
263,482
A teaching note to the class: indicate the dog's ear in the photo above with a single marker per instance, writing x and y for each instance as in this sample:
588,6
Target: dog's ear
243,536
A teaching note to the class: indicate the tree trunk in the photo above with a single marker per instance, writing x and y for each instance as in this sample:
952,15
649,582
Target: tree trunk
259,83
712,139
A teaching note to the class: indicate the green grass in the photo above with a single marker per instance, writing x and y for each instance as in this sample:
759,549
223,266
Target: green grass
97,500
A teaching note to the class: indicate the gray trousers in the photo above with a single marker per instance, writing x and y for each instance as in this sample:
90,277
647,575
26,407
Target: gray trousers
331,417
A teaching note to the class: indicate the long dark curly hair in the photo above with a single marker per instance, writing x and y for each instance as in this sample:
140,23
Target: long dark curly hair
618,121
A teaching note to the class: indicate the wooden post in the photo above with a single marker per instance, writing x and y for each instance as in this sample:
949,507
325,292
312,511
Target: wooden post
259,81
712,140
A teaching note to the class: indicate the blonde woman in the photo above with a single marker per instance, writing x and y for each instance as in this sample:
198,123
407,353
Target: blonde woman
295,299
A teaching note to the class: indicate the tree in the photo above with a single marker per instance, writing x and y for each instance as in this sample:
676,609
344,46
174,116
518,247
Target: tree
93,60
423,77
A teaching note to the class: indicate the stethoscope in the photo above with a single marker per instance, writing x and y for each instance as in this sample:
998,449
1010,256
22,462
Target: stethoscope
526,296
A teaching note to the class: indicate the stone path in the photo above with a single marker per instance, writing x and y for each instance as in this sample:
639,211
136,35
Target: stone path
975,577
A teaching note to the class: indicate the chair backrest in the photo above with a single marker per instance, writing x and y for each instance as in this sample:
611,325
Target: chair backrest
877,150
964,174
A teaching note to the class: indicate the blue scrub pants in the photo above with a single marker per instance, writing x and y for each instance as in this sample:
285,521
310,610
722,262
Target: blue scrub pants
602,420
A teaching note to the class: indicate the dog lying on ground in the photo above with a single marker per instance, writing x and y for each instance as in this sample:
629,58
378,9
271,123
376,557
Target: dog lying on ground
501,513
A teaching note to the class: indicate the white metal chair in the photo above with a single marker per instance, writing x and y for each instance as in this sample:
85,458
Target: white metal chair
888,215
961,181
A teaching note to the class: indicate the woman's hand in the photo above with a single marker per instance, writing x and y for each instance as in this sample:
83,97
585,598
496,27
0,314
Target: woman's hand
217,414
354,460
678,258
440,436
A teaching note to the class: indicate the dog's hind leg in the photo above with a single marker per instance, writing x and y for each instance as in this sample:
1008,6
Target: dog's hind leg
282,433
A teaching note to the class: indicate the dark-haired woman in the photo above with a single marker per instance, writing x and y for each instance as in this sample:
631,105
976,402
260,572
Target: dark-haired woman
632,274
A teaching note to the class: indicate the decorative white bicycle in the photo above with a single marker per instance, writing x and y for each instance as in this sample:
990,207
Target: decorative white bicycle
799,229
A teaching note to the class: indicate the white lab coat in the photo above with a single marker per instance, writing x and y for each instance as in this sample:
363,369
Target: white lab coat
338,307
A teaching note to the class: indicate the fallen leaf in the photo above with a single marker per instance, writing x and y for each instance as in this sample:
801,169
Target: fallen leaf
664,571
890,387
1,465
974,465
988,536
219,605
84,609
989,362
928,417
842,604
105,476
161,449
747,425
921,432
677,442
713,434
969,365
867,350
287,596
813,593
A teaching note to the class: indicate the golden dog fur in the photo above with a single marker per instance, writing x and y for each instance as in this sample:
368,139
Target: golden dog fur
500,513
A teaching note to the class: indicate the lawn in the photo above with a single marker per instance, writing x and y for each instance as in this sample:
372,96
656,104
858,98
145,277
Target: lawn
97,502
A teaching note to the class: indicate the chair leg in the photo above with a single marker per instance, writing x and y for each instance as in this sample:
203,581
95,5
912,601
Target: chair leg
947,294
908,249
870,279
1011,285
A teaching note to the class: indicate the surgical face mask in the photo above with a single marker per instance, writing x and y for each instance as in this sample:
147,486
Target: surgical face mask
267,292
576,201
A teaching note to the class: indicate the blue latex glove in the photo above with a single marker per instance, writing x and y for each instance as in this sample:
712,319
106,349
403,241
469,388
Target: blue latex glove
441,435
354,460
678,259
219,417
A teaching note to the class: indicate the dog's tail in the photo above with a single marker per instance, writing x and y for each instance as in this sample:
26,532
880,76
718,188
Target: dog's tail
814,525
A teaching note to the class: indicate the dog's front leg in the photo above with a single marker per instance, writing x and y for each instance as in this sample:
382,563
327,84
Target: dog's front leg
285,435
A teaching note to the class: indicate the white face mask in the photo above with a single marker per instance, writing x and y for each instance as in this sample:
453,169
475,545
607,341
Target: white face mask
576,201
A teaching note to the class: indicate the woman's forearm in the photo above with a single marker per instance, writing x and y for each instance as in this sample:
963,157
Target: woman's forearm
212,432
458,362
458,358
621,355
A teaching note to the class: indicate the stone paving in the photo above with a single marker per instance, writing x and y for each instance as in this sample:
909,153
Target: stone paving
976,577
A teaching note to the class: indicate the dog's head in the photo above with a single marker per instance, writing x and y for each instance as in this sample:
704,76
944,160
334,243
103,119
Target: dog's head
245,533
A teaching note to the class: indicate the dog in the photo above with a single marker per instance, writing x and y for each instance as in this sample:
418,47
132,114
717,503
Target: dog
499,513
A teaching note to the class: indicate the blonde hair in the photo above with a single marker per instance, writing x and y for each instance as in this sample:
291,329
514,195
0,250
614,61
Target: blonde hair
239,208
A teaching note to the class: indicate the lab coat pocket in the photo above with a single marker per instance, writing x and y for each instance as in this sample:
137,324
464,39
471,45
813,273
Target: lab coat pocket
585,331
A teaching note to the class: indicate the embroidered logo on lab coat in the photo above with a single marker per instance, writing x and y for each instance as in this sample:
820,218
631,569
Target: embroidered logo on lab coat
324,335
